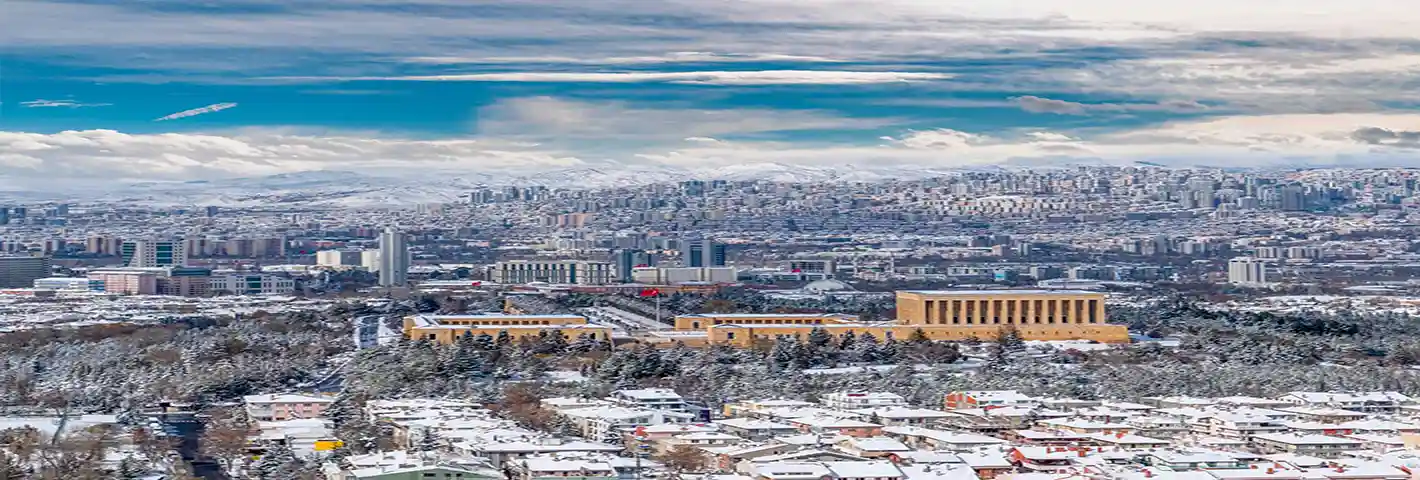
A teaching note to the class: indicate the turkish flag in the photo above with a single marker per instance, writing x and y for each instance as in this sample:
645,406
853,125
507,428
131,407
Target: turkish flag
650,292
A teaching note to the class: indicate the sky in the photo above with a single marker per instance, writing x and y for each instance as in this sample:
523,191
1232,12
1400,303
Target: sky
95,90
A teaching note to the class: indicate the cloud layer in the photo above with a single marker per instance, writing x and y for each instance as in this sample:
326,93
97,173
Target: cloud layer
216,107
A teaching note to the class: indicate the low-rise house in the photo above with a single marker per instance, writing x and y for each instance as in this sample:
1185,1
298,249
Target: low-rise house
930,439
1376,402
988,398
649,399
1158,426
987,465
1324,414
920,417
860,400
726,458
1235,425
875,447
610,424
550,467
1127,441
696,439
1183,460
280,407
1323,446
754,429
1069,404
1044,437
835,425
996,420
1047,459
1086,426
501,454
753,408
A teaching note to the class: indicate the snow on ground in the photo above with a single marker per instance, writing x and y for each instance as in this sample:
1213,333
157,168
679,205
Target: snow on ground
565,376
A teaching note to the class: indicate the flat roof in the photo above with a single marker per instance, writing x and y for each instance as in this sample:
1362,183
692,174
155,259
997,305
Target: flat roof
1001,292
766,315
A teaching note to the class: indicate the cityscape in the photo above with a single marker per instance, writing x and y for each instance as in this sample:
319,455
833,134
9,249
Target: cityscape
709,240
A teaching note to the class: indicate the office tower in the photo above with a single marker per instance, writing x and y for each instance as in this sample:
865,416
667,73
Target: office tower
4,215
1293,199
705,253
212,210
152,253
627,259
19,212
394,258
370,259
22,271
1247,271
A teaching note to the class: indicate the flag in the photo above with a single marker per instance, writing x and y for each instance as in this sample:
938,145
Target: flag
650,292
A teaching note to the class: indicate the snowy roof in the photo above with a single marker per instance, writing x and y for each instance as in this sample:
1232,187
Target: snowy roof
283,398
1001,292
574,446
943,436
1303,439
878,444
648,393
903,412
877,470
550,464
832,422
753,424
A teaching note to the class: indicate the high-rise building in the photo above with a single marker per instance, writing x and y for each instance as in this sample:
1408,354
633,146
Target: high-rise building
627,259
22,271
705,253
1247,271
394,258
151,253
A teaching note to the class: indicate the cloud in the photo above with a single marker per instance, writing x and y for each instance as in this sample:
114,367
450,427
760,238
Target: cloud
562,119
216,107
760,77
1386,137
42,103
1036,104
1263,141
673,57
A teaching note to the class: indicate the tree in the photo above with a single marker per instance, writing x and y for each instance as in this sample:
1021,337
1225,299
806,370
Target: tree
278,463
429,440
684,459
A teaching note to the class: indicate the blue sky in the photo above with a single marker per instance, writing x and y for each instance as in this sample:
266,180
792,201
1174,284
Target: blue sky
484,85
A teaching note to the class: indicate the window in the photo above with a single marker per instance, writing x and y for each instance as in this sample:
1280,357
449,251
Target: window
730,335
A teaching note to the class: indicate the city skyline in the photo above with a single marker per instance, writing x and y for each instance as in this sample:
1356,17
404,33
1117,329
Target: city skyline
169,91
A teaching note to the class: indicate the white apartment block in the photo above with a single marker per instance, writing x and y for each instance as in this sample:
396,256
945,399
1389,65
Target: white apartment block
252,285
860,400
566,272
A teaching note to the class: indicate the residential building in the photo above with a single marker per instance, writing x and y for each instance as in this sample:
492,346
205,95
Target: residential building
1320,446
185,282
1247,271
268,408
22,271
394,258
988,399
340,258
860,400
567,272
154,253
127,281
650,399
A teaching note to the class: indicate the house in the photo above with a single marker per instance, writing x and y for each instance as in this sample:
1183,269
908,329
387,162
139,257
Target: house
752,429
1127,441
987,399
752,408
877,470
899,415
1047,459
282,407
1322,446
649,399
726,458
1182,460
1254,402
551,467
999,419
421,472
1158,426
861,400
987,465
503,453
835,425
1324,414
875,447
1235,425
1086,426
609,424
1375,402
1069,404
696,439
1041,437
926,438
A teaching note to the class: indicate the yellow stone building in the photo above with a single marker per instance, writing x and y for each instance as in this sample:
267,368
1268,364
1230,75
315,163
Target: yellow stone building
956,315
701,321
447,329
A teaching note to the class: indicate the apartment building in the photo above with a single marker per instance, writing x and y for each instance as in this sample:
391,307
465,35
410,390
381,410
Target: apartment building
566,272
269,408
859,400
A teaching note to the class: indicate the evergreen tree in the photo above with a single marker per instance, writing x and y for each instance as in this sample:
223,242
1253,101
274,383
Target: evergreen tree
429,440
781,356
128,469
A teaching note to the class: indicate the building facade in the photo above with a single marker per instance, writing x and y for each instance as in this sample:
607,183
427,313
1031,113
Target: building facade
252,285
394,258
704,254
22,271
340,258
1247,271
566,272
960,315
447,329
152,253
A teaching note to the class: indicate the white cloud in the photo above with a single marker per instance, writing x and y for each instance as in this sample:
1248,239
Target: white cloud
1238,141
216,107
42,103
761,77
673,57
562,118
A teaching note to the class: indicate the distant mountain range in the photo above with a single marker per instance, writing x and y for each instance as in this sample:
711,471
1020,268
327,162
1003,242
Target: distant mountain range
335,188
